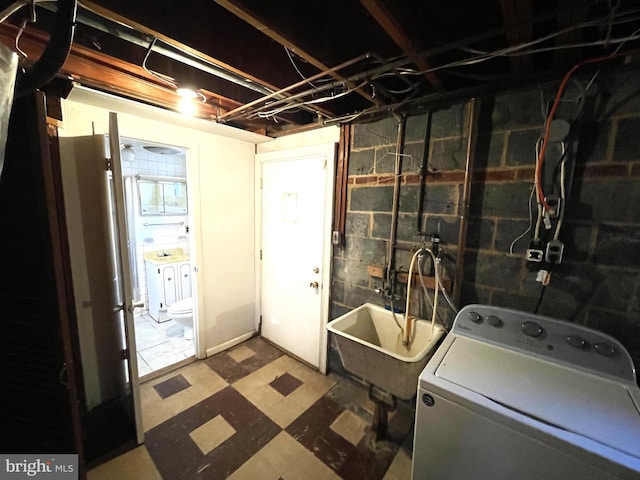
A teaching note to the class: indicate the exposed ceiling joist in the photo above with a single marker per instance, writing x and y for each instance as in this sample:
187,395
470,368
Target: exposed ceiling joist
517,15
241,11
568,13
387,21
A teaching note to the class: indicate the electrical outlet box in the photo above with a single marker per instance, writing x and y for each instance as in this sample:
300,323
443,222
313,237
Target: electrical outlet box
553,254
535,252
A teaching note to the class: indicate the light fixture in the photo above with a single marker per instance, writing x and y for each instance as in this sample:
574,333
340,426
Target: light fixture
128,154
189,98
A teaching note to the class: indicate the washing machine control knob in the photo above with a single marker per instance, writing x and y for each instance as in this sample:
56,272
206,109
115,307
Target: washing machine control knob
531,329
576,341
475,317
494,321
604,349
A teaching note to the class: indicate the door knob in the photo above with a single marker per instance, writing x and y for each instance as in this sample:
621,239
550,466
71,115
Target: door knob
314,285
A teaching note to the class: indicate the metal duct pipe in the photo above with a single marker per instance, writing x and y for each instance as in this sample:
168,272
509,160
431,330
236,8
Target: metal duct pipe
472,136
93,20
55,53
402,121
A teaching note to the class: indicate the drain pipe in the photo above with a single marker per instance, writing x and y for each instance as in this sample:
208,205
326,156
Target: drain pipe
472,136
394,209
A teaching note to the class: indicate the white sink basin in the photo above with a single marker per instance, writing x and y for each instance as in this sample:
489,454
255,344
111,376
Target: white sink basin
370,346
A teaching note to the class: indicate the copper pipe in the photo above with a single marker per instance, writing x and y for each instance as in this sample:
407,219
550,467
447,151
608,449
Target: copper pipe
472,136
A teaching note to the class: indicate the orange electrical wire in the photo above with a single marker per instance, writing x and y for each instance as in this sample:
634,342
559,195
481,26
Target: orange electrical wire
554,107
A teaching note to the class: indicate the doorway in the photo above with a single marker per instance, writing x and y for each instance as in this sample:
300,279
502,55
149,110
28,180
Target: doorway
157,215
295,247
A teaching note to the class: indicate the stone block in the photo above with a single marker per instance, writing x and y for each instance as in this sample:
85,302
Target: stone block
517,110
516,301
357,224
371,199
381,132
447,228
366,250
521,147
414,158
606,201
385,160
448,154
593,142
408,201
355,296
616,290
493,270
416,128
350,271
480,233
361,162
618,246
472,293
577,241
449,122
620,91
489,149
627,142
507,231
509,200
381,227
441,198
408,228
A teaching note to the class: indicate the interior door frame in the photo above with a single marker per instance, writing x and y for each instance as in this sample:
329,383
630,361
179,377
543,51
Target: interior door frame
328,152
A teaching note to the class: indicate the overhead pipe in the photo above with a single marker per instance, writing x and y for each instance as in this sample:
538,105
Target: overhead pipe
55,54
472,137
94,20
317,76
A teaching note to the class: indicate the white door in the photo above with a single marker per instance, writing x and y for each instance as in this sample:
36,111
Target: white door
295,265
97,232
126,303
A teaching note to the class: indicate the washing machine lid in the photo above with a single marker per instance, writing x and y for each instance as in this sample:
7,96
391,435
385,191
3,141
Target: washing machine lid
580,402
181,306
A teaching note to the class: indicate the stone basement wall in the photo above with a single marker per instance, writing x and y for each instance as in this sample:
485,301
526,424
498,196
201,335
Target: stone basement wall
598,282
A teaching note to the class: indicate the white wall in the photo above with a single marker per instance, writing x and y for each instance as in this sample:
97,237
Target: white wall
220,173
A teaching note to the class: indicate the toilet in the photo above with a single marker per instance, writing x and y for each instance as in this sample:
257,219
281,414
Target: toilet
182,312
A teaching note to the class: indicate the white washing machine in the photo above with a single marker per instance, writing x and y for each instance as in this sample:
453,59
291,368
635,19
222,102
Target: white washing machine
511,395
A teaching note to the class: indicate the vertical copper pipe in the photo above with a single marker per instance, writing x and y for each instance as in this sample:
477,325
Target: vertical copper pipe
396,195
472,137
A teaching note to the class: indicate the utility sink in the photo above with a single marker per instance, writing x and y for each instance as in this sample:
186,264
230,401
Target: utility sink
370,347
171,255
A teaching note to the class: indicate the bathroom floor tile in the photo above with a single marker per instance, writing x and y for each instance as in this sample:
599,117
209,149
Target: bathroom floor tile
171,386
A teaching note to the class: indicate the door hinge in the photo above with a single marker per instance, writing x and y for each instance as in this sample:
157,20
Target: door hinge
109,164
260,254
125,353
261,183
324,165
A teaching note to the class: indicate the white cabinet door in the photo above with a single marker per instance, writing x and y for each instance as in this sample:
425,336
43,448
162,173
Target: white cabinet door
169,285
185,280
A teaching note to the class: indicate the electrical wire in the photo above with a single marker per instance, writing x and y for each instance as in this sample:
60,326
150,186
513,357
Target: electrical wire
521,236
554,107
296,67
561,207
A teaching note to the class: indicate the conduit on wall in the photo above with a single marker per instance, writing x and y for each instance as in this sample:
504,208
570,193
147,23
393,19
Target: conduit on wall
342,174
473,111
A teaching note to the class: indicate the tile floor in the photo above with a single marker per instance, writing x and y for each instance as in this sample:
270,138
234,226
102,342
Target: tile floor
160,344
256,413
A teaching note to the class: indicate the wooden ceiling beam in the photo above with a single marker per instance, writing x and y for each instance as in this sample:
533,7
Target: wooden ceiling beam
392,27
517,16
263,26
103,72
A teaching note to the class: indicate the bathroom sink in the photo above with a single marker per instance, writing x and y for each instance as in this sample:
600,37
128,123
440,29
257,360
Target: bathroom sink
370,346
161,257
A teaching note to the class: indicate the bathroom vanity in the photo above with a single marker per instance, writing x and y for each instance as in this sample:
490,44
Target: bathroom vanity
168,280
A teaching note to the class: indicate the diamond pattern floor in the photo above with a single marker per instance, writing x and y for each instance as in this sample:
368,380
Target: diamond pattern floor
254,412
